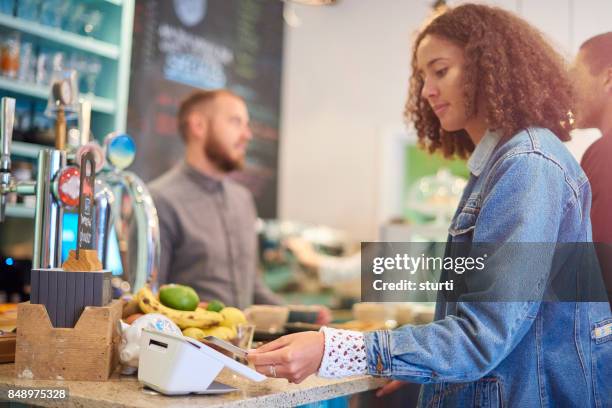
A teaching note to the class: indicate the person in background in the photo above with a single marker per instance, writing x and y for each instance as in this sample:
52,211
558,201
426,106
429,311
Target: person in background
592,77
207,222
330,269
486,85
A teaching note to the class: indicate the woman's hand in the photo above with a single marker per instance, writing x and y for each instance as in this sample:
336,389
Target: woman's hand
294,357
304,252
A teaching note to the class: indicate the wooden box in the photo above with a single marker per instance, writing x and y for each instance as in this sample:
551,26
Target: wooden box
87,352
7,347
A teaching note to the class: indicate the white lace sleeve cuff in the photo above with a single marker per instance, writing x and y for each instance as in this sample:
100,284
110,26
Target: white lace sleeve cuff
344,354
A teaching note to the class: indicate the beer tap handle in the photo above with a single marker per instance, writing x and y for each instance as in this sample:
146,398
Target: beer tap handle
7,118
84,122
7,108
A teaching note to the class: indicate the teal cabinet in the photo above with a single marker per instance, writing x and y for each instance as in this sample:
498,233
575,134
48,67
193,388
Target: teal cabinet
92,36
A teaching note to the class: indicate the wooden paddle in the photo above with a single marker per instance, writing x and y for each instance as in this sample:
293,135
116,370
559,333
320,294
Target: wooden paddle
85,258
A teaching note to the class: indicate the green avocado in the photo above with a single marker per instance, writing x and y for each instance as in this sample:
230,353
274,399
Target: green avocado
179,297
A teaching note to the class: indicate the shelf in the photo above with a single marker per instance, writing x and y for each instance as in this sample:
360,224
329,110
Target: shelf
98,104
19,211
110,110
59,36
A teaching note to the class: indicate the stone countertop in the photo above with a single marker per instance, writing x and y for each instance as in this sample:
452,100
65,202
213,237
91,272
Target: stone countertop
126,391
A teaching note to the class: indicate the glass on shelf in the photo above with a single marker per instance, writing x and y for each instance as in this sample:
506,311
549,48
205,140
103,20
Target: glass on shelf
53,12
57,62
83,21
74,20
28,9
47,63
91,22
9,61
92,72
27,63
78,62
43,68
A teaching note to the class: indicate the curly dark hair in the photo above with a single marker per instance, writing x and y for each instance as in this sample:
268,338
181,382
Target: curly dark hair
519,79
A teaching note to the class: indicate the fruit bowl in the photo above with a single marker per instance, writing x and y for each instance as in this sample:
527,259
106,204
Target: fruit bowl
270,318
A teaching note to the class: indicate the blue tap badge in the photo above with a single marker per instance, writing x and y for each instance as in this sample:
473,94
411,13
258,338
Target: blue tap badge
120,150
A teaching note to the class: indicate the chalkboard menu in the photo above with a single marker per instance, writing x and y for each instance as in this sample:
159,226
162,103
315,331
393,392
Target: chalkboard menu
183,45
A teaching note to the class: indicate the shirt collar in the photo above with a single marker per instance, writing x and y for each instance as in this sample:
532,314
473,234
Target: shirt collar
208,182
483,152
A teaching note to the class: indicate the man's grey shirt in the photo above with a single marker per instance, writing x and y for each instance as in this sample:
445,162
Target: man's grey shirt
208,237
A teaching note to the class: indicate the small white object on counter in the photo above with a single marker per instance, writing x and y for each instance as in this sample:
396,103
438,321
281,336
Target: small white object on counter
176,365
129,349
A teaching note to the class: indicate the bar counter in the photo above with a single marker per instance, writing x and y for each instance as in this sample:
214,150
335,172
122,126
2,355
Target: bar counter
126,391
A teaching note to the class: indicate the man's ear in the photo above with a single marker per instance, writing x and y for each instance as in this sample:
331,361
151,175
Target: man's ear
608,80
198,126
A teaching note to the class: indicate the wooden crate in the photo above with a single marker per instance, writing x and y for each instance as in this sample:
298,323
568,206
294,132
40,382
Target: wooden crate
87,352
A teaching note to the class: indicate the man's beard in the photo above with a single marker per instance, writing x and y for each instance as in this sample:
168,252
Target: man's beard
215,153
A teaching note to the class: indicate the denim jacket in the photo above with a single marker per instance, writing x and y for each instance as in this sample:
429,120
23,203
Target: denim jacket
521,353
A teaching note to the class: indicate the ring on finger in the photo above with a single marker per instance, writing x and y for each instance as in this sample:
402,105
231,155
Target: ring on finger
273,370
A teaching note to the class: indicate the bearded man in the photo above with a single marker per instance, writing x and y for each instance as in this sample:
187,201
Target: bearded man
207,221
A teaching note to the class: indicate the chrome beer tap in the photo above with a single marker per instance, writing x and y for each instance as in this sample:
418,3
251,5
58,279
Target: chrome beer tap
112,185
7,109
141,257
49,208
7,182
48,216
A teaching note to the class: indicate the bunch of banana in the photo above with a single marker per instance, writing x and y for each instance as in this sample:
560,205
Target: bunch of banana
227,329
224,333
200,317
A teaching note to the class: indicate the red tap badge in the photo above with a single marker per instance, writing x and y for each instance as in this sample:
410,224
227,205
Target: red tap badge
68,186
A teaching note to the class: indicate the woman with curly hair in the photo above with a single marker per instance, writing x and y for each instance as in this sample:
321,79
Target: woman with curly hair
487,86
